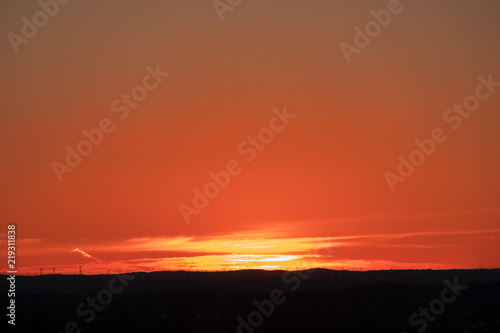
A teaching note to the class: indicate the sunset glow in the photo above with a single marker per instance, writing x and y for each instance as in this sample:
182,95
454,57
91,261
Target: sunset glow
175,140
287,246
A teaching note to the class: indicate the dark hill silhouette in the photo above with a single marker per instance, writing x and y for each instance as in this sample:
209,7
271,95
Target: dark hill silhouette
325,301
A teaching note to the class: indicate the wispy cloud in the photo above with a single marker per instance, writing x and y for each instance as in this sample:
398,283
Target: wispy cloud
85,254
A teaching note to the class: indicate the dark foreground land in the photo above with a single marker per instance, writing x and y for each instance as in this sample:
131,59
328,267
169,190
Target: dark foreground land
259,301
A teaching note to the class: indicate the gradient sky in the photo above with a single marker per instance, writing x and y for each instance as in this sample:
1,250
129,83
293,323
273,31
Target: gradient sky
315,196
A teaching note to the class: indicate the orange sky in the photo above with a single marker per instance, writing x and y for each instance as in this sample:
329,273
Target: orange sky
315,195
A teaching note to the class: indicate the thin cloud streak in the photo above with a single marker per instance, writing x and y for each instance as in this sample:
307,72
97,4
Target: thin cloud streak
85,254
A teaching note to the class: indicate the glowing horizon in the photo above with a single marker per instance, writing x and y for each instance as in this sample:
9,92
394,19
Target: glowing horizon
134,138
282,247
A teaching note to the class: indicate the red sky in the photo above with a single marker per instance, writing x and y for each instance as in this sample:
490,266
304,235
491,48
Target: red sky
315,195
